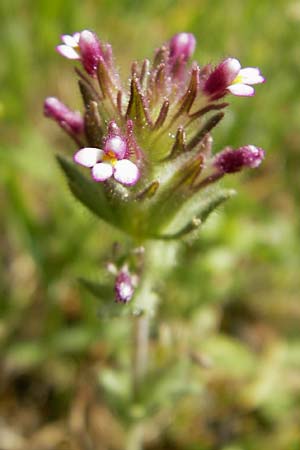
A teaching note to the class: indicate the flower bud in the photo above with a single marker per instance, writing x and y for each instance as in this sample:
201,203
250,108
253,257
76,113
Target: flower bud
124,287
182,45
60,113
231,161
117,145
90,51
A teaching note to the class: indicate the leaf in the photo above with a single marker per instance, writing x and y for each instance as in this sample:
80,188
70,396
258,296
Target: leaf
105,82
149,191
88,192
162,115
87,93
211,107
179,146
98,290
75,339
189,228
105,293
165,386
116,383
137,108
185,103
93,125
198,214
214,201
207,127
27,354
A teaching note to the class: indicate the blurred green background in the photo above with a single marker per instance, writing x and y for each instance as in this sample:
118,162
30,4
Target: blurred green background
234,295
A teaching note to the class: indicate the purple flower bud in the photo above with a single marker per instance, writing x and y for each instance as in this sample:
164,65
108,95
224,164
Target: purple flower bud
124,287
113,129
60,113
90,51
221,77
231,161
182,45
117,146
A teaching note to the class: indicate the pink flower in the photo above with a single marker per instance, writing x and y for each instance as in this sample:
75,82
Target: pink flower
64,116
84,46
90,51
182,45
231,161
124,286
229,76
109,162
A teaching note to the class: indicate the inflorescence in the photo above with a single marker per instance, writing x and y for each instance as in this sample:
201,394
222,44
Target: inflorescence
149,145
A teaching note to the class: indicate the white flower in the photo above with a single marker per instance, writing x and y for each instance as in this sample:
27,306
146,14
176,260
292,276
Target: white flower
70,47
241,85
110,162
229,76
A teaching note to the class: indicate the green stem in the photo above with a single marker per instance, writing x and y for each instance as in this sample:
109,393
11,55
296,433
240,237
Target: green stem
140,353
159,257
135,438
140,345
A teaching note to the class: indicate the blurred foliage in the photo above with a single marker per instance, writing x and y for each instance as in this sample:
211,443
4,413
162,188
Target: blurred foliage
229,319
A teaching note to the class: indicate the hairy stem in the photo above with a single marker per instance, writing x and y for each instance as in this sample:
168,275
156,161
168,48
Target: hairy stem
154,268
135,438
140,352
140,344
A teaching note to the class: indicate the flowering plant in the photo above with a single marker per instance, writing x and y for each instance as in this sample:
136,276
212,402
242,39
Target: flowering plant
149,149
149,152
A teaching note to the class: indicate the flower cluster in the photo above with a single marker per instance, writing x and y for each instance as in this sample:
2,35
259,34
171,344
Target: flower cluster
149,147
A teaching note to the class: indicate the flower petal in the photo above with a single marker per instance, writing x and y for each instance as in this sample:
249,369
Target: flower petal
231,68
126,172
67,52
68,40
251,75
76,37
88,156
102,171
117,145
242,90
